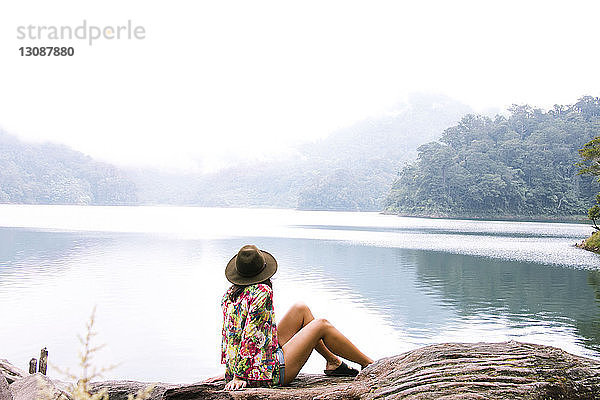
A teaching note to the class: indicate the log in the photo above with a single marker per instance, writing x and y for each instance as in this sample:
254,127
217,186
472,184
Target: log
33,366
43,361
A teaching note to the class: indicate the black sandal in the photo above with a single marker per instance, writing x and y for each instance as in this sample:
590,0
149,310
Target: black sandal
342,370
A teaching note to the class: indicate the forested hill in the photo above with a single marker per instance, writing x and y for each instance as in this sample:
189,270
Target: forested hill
352,169
519,165
54,174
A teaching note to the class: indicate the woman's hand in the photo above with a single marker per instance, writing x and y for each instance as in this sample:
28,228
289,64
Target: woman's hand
235,384
215,379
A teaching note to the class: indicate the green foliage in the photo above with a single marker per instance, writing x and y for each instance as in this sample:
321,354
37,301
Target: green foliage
591,155
53,174
520,165
594,214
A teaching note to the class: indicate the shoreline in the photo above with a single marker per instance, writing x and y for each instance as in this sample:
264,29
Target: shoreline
510,218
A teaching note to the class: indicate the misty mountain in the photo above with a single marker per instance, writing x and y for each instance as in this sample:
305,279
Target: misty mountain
393,135
32,173
352,169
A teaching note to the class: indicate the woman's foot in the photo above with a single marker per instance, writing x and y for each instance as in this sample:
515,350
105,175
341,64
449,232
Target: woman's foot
333,364
342,370
336,362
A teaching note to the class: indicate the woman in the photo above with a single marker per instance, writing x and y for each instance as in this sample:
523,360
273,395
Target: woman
256,351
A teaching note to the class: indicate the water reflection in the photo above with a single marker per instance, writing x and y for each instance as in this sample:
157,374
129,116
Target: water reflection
431,295
519,293
28,257
384,278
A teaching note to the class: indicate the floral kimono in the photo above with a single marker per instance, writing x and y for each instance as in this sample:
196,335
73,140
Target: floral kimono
249,338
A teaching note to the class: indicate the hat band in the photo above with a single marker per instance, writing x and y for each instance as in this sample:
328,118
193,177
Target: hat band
246,275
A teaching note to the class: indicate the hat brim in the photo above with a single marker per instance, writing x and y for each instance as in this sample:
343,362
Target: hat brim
232,275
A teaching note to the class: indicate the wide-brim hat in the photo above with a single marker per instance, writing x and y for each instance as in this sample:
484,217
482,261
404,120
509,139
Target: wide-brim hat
250,265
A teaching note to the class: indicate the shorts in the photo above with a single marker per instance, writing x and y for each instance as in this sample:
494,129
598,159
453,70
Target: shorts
279,370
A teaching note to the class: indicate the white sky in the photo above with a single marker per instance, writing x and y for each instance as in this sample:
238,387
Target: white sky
217,81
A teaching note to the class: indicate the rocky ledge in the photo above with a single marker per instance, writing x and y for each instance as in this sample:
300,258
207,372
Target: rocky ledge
508,370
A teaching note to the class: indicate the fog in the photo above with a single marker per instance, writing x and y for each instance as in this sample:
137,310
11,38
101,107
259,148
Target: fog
212,84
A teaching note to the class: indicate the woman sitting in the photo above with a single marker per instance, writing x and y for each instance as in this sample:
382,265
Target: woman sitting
256,351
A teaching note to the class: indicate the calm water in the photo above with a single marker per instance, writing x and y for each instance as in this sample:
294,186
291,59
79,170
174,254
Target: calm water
390,284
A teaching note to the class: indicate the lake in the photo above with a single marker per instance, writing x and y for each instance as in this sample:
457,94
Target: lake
391,284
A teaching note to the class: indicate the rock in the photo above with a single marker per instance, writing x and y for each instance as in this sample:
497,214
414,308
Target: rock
10,372
118,390
591,243
305,386
508,370
4,390
37,386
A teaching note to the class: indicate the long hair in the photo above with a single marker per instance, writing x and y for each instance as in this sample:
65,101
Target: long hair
236,290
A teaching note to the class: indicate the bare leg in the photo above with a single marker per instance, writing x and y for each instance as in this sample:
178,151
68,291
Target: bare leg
297,350
298,316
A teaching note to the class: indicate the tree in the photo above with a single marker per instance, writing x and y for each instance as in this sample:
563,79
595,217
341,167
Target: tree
519,165
591,156
591,166
594,214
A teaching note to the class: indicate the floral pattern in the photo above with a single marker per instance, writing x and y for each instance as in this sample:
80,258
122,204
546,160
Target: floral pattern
249,333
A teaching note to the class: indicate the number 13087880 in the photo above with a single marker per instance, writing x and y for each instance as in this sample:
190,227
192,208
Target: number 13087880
46,51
